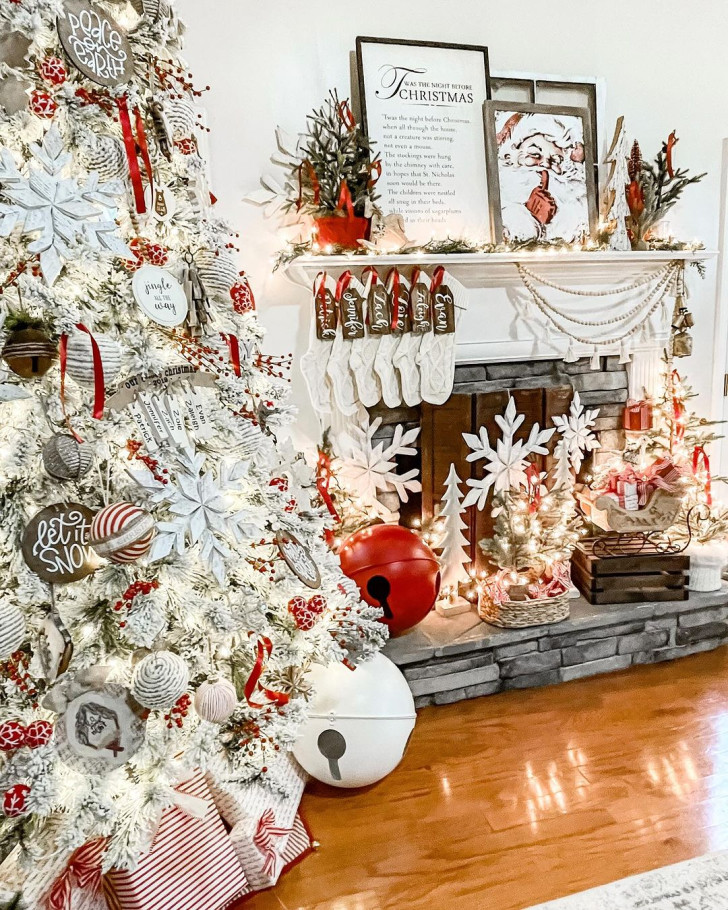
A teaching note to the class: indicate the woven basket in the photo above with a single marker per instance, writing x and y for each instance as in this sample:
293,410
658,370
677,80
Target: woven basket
518,614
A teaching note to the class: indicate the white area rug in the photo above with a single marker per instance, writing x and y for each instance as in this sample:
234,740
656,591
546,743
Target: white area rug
698,884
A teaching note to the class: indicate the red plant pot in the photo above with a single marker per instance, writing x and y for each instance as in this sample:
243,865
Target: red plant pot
346,231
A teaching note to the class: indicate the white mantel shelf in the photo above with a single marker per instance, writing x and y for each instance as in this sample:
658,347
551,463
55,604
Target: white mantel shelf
482,270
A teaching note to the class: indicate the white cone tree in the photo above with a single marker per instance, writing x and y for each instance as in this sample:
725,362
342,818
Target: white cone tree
453,542
616,188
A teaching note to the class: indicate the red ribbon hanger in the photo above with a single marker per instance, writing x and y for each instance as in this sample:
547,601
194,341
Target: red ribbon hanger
263,649
341,285
320,294
130,146
393,289
345,200
83,871
375,169
677,431
98,411
234,347
315,185
701,461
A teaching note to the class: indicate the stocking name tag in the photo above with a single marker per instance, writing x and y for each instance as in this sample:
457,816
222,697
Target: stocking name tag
421,314
380,317
325,316
402,323
443,307
351,308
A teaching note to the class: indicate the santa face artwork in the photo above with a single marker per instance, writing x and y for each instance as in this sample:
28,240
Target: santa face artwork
540,165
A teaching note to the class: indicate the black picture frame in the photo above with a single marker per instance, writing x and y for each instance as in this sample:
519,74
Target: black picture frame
362,41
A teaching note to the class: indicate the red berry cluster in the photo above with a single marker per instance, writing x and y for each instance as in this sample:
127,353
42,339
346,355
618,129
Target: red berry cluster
202,355
146,252
21,267
175,80
15,668
250,732
134,590
178,711
96,96
160,474
275,366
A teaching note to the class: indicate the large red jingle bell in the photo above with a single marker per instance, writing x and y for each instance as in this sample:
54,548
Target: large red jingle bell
395,570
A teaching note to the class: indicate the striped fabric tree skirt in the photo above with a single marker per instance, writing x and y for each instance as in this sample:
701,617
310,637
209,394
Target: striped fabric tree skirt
698,884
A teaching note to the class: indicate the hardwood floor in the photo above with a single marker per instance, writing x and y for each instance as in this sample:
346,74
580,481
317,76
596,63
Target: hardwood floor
506,801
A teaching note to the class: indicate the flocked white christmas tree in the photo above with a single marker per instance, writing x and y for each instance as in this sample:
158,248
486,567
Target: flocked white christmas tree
617,157
173,585
453,542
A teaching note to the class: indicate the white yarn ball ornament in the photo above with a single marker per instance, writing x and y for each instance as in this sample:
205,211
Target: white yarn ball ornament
215,700
12,630
105,155
80,359
160,680
181,117
218,273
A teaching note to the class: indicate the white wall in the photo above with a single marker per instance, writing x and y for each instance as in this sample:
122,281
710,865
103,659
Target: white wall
269,63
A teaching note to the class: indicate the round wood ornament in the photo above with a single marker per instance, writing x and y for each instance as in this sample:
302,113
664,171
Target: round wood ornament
298,559
55,543
96,44
159,295
100,730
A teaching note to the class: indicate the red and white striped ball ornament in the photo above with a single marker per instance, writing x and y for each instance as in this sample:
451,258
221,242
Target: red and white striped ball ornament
215,700
122,532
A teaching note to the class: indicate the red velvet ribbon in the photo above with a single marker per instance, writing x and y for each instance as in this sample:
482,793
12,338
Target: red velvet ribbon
394,289
131,154
234,347
143,145
342,284
346,116
677,431
263,649
345,200
321,294
701,461
83,871
263,839
98,411
323,482
314,184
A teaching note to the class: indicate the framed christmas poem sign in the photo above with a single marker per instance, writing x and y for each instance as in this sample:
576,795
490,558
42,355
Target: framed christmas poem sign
540,172
421,104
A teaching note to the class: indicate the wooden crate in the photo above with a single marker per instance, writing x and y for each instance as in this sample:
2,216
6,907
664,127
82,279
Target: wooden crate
636,578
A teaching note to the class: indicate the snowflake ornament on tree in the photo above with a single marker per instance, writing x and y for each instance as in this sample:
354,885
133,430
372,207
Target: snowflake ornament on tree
368,468
68,218
577,438
507,463
203,511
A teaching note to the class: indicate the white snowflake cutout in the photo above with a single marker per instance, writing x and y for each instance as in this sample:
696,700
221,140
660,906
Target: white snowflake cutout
577,438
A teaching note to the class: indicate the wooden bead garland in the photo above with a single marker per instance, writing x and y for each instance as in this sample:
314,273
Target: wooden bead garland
215,700
160,679
65,458
12,629
80,360
122,532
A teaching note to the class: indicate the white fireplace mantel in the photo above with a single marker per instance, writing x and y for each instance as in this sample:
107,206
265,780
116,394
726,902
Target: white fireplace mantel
499,323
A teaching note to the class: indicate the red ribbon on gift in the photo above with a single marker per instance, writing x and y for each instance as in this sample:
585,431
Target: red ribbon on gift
264,836
701,463
393,282
131,153
98,411
234,347
82,871
263,649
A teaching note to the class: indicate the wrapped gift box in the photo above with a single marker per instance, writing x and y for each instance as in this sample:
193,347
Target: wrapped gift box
35,883
264,821
638,416
191,865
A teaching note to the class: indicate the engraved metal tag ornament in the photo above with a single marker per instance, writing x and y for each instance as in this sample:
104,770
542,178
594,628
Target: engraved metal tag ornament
96,44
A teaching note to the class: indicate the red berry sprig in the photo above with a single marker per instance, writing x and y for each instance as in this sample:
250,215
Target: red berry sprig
15,668
277,367
134,590
178,711
159,474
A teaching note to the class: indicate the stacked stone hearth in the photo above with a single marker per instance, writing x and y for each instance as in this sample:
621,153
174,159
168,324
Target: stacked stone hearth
448,660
